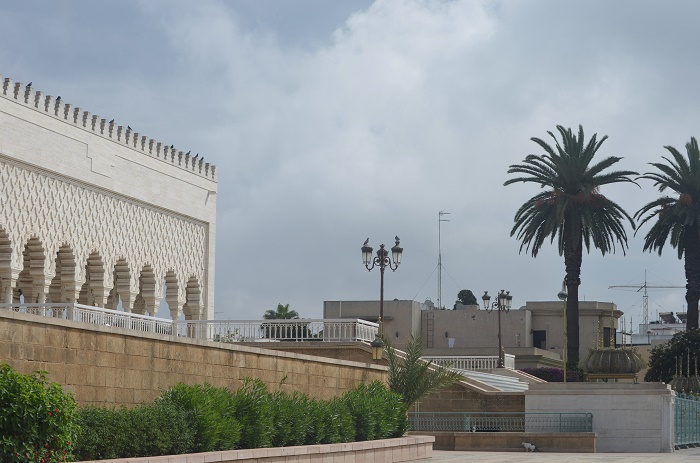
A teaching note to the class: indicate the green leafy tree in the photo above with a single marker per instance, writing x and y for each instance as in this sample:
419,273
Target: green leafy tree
671,357
466,297
282,312
571,209
414,378
677,217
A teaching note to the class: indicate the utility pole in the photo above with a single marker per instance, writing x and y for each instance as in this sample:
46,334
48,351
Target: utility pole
440,220
645,296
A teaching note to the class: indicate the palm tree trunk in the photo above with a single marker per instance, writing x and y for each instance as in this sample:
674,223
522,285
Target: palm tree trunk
572,261
692,274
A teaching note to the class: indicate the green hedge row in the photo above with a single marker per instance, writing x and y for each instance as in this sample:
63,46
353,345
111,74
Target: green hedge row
186,419
39,423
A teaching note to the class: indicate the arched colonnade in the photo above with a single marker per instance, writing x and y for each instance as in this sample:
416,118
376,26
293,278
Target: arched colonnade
44,276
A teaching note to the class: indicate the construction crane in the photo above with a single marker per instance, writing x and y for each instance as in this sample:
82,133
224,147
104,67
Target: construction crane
645,297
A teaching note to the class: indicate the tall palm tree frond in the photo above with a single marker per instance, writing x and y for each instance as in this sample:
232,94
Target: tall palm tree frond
282,313
677,219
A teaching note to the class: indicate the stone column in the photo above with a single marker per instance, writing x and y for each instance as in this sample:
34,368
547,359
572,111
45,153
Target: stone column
152,303
41,288
99,297
128,298
175,304
8,288
70,292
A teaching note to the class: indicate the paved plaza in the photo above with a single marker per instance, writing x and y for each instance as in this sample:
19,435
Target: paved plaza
679,456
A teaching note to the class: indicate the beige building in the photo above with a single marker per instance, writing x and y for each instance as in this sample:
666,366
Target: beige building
95,213
533,333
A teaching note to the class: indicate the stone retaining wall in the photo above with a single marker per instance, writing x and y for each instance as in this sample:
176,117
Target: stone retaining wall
406,448
110,366
584,442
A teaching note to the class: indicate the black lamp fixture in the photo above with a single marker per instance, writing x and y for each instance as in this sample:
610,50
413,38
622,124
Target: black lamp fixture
563,296
382,260
377,348
502,304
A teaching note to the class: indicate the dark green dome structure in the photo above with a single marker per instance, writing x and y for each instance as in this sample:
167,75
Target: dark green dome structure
614,361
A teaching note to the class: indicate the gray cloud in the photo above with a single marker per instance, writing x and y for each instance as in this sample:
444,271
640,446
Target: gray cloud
331,123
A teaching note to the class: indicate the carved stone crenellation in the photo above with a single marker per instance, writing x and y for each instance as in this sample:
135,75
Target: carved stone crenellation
55,107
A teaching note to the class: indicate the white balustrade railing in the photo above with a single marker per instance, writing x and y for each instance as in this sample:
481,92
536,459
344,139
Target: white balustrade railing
214,330
94,315
279,330
473,362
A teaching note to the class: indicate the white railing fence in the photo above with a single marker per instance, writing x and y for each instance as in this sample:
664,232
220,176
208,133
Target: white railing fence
279,330
214,330
96,316
474,362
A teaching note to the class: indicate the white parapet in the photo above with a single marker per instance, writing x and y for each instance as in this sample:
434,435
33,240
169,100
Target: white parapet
472,362
626,417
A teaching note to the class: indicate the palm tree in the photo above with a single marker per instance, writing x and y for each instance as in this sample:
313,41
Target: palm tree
414,378
678,218
282,312
572,209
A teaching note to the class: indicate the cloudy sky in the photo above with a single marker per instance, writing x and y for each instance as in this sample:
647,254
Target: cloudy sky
334,121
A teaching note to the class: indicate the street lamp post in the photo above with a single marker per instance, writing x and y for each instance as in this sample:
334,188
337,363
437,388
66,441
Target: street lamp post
562,297
382,260
502,304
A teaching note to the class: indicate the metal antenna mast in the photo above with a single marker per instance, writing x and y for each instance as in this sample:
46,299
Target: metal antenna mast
645,297
440,220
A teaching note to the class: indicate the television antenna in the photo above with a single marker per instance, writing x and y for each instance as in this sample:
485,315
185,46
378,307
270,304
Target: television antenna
645,296
440,220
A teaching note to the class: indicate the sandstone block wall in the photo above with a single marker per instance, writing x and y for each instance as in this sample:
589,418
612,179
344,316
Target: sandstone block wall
407,448
461,398
560,442
108,366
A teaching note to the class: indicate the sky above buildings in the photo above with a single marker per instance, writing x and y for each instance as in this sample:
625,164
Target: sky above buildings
330,122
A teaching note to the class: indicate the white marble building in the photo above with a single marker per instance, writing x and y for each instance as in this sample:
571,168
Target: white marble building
94,213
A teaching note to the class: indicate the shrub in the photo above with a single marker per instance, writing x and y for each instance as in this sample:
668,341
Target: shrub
252,408
103,434
210,412
554,375
334,423
158,429
36,419
377,412
292,416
